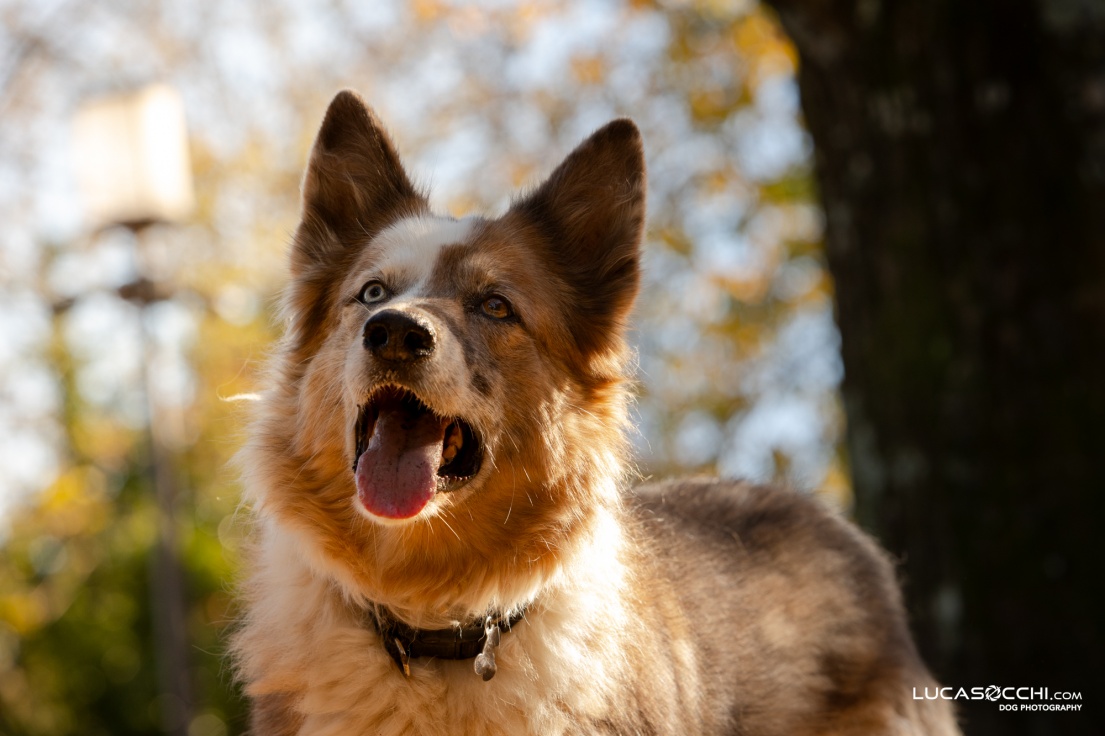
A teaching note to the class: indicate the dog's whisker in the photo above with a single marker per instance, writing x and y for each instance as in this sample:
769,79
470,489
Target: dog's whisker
449,526
513,488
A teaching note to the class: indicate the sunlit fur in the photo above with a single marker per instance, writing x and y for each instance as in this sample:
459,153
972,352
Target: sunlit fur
629,626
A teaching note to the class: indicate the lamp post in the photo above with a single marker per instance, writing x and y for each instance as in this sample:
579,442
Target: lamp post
131,155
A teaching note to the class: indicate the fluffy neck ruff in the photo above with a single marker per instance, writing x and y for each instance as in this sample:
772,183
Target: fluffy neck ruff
446,584
291,602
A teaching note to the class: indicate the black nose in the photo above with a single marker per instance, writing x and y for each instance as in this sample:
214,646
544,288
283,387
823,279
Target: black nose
398,337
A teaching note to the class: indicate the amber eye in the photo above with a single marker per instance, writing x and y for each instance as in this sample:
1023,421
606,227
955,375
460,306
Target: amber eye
497,307
373,292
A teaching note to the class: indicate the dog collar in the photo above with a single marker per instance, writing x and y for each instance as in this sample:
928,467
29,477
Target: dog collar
464,641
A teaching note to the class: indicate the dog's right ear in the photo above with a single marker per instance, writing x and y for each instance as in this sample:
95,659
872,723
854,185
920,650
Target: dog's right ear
354,187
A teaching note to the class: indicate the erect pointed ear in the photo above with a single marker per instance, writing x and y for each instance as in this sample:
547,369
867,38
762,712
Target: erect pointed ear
354,186
592,213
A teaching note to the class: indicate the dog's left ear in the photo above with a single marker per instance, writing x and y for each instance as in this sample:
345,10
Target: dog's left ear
592,212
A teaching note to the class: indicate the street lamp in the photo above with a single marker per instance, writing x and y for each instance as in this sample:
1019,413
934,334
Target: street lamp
131,156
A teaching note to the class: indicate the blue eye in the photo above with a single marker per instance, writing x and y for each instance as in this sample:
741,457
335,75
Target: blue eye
373,292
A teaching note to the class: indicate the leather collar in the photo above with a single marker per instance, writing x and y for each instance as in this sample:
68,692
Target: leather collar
476,640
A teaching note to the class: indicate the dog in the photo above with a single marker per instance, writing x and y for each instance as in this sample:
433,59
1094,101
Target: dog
444,541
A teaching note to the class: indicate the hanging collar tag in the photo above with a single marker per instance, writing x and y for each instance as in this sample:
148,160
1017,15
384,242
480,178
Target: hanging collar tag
485,660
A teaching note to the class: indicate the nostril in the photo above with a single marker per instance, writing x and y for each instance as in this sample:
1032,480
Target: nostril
376,335
419,341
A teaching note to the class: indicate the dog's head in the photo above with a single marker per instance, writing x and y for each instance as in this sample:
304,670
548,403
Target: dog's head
459,384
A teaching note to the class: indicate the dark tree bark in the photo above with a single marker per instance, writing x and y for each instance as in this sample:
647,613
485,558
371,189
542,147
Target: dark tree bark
960,153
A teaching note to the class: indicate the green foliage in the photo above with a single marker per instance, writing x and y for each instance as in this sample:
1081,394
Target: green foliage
76,652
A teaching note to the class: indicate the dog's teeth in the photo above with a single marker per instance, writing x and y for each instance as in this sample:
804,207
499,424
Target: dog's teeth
453,441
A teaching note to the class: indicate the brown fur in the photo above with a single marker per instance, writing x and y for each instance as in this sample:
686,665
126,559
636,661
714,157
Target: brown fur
701,607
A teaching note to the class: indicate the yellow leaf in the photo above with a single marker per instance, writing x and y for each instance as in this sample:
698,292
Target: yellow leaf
589,69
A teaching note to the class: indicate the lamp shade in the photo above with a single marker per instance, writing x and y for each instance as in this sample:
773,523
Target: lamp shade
131,154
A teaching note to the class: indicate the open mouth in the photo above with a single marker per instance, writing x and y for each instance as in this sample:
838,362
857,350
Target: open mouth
405,453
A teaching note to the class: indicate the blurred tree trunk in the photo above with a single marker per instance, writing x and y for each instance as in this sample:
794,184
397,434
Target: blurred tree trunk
960,152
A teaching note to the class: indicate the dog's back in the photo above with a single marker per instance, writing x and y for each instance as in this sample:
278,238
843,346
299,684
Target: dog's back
780,617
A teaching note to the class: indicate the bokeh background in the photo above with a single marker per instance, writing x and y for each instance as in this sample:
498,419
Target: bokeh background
738,356
944,160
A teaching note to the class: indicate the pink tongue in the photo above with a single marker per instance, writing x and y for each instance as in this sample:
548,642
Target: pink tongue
397,472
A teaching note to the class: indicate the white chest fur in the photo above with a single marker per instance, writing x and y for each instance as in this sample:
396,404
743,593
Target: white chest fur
555,667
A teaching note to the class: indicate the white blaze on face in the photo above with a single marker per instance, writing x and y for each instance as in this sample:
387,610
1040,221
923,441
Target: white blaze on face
407,253
410,247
